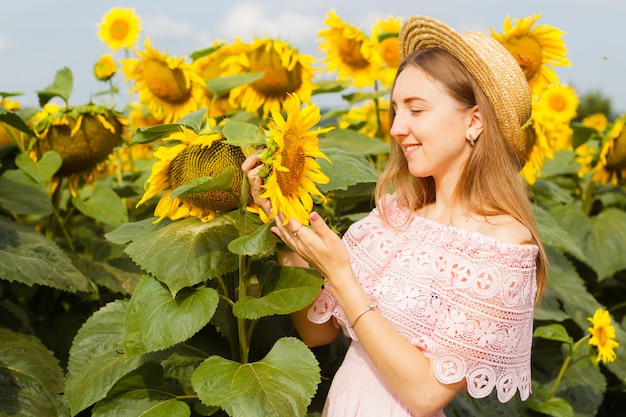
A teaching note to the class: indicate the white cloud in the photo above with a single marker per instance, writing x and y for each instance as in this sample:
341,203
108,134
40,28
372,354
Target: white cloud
247,20
161,26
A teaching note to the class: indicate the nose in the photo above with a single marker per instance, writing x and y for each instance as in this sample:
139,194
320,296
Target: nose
399,128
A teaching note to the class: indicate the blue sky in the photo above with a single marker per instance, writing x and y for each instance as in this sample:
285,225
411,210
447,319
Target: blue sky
39,37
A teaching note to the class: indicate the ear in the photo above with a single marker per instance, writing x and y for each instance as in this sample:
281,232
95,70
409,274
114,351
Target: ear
474,122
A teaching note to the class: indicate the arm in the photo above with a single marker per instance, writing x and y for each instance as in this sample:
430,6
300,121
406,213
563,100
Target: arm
405,368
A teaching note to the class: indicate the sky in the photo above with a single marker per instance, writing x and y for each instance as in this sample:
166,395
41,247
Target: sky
40,37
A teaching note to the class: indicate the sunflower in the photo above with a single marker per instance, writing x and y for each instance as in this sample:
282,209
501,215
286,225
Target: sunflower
167,86
292,170
120,28
349,51
286,72
534,49
603,335
385,40
585,155
214,65
105,68
596,121
185,156
612,161
84,136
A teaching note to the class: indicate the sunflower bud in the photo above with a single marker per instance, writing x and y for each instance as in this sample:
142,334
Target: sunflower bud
616,159
105,68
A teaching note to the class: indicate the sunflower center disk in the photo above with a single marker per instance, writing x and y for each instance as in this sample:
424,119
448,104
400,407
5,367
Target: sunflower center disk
293,158
197,161
277,80
166,83
350,51
120,29
527,52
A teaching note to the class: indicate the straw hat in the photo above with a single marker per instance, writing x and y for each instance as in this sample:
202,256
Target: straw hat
494,68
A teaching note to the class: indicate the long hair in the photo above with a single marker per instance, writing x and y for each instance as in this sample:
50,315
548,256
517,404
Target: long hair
490,183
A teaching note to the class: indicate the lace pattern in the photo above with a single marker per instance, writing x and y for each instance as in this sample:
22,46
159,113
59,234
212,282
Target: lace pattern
463,298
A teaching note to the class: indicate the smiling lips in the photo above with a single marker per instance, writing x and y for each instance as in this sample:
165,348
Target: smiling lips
408,150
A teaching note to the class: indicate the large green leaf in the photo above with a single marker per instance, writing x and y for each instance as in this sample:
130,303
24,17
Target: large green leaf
156,320
565,284
352,141
283,291
552,234
281,384
601,238
347,168
96,358
224,181
131,231
28,257
186,252
42,170
221,85
101,203
31,379
242,134
21,194
140,394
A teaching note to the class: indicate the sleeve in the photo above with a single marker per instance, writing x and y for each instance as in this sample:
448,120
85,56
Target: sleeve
483,332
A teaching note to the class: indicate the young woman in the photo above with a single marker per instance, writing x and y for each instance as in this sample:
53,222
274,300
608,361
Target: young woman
435,287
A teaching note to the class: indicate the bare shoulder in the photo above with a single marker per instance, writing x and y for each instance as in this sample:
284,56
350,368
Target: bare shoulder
506,229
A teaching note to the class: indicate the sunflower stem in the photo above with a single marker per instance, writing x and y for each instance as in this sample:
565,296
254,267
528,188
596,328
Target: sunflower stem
565,366
244,270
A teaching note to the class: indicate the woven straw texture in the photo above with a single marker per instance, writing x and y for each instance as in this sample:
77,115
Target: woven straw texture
494,68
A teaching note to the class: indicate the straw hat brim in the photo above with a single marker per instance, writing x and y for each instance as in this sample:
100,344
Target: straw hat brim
494,68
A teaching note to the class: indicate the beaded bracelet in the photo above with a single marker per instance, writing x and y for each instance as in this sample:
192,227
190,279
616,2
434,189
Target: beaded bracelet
358,316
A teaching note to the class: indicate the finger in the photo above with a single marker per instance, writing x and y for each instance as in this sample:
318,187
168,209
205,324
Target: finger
250,162
319,226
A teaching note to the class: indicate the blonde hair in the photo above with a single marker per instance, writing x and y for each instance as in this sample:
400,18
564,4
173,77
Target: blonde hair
490,183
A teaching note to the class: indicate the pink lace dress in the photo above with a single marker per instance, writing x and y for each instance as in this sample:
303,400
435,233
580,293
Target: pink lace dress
464,299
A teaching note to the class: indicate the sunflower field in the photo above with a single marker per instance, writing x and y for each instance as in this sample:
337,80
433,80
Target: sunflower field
138,278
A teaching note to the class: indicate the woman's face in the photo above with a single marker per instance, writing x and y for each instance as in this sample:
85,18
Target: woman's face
430,126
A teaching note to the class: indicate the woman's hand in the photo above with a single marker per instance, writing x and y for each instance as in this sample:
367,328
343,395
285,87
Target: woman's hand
251,168
318,245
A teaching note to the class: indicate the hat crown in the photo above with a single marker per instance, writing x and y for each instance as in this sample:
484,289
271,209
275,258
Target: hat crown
493,67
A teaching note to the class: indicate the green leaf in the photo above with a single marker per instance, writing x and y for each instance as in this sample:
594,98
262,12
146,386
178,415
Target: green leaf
96,358
283,291
553,233
354,142
194,120
553,332
42,170
601,238
260,242
242,134
132,231
28,257
555,406
30,377
330,86
223,181
142,403
346,169
13,120
101,203
156,320
186,252
140,393
221,85
61,87
149,135
20,194
281,384
201,53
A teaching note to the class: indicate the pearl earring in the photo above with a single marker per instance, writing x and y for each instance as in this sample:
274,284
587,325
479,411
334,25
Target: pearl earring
471,140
